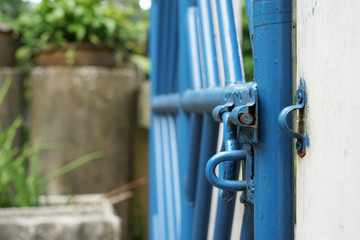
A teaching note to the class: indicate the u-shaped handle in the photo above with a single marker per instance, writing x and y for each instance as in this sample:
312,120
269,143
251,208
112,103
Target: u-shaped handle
230,185
282,120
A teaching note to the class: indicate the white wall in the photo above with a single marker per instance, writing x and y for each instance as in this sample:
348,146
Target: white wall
328,177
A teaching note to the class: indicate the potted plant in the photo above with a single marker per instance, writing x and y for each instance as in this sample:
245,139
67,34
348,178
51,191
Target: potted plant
85,108
9,10
77,32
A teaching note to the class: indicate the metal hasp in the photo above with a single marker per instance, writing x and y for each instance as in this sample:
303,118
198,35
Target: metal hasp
302,141
239,116
273,156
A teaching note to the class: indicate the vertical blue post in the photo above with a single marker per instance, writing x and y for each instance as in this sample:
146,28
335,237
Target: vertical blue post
208,43
225,209
156,216
234,73
209,127
195,119
273,166
182,119
229,44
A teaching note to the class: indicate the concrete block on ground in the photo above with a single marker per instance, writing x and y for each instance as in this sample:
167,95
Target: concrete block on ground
91,217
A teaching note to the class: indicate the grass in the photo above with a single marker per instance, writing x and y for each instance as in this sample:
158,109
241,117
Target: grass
21,183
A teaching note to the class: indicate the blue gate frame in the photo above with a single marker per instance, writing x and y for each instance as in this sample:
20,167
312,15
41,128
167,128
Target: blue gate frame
189,101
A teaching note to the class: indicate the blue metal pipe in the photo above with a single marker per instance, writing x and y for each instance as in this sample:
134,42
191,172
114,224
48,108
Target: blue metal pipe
203,194
228,170
224,219
157,202
234,73
154,40
191,101
247,229
182,118
208,43
202,100
171,80
195,119
163,37
175,175
194,153
273,166
229,43
166,173
156,212
167,103
210,128
194,48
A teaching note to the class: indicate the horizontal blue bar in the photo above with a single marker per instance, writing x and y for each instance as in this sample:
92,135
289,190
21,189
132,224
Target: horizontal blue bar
201,100
191,101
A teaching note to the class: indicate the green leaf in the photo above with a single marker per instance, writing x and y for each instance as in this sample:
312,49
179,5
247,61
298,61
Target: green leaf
71,166
143,63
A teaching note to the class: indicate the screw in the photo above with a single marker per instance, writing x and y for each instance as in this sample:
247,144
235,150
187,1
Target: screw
246,119
299,97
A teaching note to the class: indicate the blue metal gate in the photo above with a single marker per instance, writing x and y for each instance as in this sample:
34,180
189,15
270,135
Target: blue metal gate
188,103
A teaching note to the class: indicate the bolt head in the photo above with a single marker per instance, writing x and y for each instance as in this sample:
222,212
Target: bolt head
246,119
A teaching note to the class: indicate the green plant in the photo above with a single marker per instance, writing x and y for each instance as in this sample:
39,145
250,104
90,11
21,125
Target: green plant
10,8
58,22
20,181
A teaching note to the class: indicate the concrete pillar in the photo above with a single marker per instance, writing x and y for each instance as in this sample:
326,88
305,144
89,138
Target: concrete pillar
85,109
328,55
13,104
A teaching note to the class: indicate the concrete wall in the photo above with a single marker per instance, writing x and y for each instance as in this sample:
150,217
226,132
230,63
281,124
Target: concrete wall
328,58
13,104
86,109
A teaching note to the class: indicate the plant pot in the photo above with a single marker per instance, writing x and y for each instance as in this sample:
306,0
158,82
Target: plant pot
90,217
86,54
8,46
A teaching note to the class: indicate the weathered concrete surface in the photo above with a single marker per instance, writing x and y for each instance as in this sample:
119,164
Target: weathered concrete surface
13,104
85,109
143,105
328,191
91,217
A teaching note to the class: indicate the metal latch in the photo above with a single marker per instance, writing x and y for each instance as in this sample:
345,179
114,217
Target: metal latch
239,116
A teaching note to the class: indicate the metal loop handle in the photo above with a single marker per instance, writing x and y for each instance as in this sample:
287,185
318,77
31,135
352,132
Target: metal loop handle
230,185
282,120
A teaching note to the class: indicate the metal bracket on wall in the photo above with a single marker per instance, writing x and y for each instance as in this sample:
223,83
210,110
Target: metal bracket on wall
302,141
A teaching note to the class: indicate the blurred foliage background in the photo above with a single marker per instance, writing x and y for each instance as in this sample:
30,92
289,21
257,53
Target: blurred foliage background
119,25
246,47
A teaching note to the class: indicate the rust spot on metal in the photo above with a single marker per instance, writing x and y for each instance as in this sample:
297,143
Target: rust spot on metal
301,153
